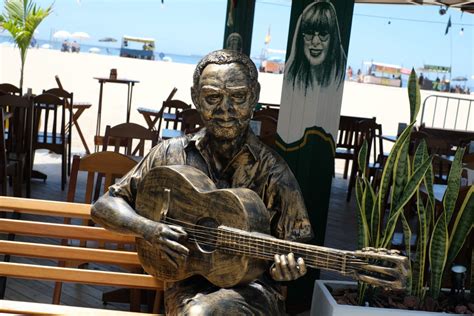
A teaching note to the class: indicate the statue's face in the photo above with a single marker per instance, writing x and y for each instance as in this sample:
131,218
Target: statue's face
225,99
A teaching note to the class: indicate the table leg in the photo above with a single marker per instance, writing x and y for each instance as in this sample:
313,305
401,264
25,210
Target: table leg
129,101
99,113
79,131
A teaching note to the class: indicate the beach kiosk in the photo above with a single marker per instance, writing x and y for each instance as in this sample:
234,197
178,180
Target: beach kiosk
384,74
137,47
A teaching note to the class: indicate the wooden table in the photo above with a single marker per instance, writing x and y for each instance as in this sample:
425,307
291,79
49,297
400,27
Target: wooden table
78,108
130,83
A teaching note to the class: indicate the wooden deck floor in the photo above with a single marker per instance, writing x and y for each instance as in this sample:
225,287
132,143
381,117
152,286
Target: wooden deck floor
340,233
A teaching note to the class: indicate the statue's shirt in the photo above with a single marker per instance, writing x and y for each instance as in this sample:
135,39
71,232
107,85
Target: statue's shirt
255,167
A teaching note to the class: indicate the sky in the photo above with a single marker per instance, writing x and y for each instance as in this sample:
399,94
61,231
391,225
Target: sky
405,35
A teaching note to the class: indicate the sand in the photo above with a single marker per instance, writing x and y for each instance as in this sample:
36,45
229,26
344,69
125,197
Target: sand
77,71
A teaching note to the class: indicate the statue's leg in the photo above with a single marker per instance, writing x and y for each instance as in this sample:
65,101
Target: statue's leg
194,299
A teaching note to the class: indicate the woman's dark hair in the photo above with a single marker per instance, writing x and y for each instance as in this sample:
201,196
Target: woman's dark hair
317,17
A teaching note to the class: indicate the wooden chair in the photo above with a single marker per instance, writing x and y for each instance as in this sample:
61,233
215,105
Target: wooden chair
8,88
49,130
8,167
191,121
68,98
347,138
364,130
152,116
109,164
77,108
131,138
20,137
170,118
268,119
41,248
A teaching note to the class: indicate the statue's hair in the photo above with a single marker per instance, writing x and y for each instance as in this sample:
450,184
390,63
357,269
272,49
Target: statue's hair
223,57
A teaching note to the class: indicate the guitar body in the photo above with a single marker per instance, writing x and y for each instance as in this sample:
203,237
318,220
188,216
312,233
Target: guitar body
193,198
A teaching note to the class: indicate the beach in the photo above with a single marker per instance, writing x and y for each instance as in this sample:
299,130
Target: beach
156,80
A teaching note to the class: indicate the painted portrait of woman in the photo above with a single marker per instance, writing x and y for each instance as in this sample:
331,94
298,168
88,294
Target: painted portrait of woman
314,76
317,56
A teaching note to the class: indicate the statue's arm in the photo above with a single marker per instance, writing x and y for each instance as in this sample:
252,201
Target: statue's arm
116,214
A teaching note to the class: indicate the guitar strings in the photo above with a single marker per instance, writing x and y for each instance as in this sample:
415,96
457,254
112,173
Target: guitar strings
203,238
266,243
253,239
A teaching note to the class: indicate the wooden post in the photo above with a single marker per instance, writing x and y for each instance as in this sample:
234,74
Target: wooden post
239,19
311,99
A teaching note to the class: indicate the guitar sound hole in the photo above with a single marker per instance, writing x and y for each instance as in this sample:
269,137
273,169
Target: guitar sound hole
205,234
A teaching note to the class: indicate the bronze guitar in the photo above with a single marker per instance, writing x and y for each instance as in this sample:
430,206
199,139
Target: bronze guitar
228,235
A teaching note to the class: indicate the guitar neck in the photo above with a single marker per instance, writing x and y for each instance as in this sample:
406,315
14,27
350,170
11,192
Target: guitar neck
265,247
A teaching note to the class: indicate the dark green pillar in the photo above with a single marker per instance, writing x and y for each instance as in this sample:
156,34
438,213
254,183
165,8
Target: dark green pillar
310,110
239,19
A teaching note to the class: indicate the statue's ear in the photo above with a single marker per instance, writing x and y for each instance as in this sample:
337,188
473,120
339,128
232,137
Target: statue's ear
255,95
195,97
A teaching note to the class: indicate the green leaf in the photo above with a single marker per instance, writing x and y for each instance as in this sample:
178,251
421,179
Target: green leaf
400,173
454,182
462,226
438,255
422,244
362,227
389,165
362,158
407,239
413,95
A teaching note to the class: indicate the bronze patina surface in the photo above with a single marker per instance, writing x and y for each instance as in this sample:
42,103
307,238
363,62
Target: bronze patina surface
225,91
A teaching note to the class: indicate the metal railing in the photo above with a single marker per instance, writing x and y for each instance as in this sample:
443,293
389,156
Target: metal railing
435,105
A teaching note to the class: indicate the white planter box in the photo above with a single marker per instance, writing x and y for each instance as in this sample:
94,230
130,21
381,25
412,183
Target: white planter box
323,304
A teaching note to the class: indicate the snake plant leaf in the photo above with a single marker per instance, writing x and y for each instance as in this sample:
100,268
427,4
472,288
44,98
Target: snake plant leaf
407,239
422,244
375,218
410,188
454,179
362,158
413,95
362,226
438,255
462,226
389,165
400,173
369,203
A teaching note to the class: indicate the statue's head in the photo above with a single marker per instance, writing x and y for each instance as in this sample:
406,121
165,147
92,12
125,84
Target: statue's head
225,91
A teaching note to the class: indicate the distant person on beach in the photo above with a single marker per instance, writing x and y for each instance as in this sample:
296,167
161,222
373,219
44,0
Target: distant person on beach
317,57
349,73
65,46
75,48
359,76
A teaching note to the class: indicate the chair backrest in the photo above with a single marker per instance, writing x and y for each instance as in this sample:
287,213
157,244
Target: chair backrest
268,119
3,157
170,113
8,88
347,134
191,121
50,122
110,165
131,138
20,125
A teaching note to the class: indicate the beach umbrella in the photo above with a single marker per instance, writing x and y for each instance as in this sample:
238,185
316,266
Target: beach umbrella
459,79
80,35
46,46
62,34
94,50
108,39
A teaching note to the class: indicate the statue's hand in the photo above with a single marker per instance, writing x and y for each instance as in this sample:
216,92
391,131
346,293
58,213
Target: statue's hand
286,268
166,238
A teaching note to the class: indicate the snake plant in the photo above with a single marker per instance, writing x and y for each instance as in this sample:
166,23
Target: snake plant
380,210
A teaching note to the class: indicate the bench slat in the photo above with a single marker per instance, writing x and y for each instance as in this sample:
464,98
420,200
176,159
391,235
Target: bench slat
28,308
63,231
37,272
55,252
43,207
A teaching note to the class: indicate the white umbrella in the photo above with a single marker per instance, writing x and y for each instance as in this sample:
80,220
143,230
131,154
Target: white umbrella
94,50
62,34
46,46
80,35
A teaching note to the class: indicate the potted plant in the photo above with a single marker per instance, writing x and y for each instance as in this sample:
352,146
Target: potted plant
21,18
441,231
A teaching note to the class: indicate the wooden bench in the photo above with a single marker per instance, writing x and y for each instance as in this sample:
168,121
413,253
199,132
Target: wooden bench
43,248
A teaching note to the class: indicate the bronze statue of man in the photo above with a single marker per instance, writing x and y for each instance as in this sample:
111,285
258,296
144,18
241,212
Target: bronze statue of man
225,91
